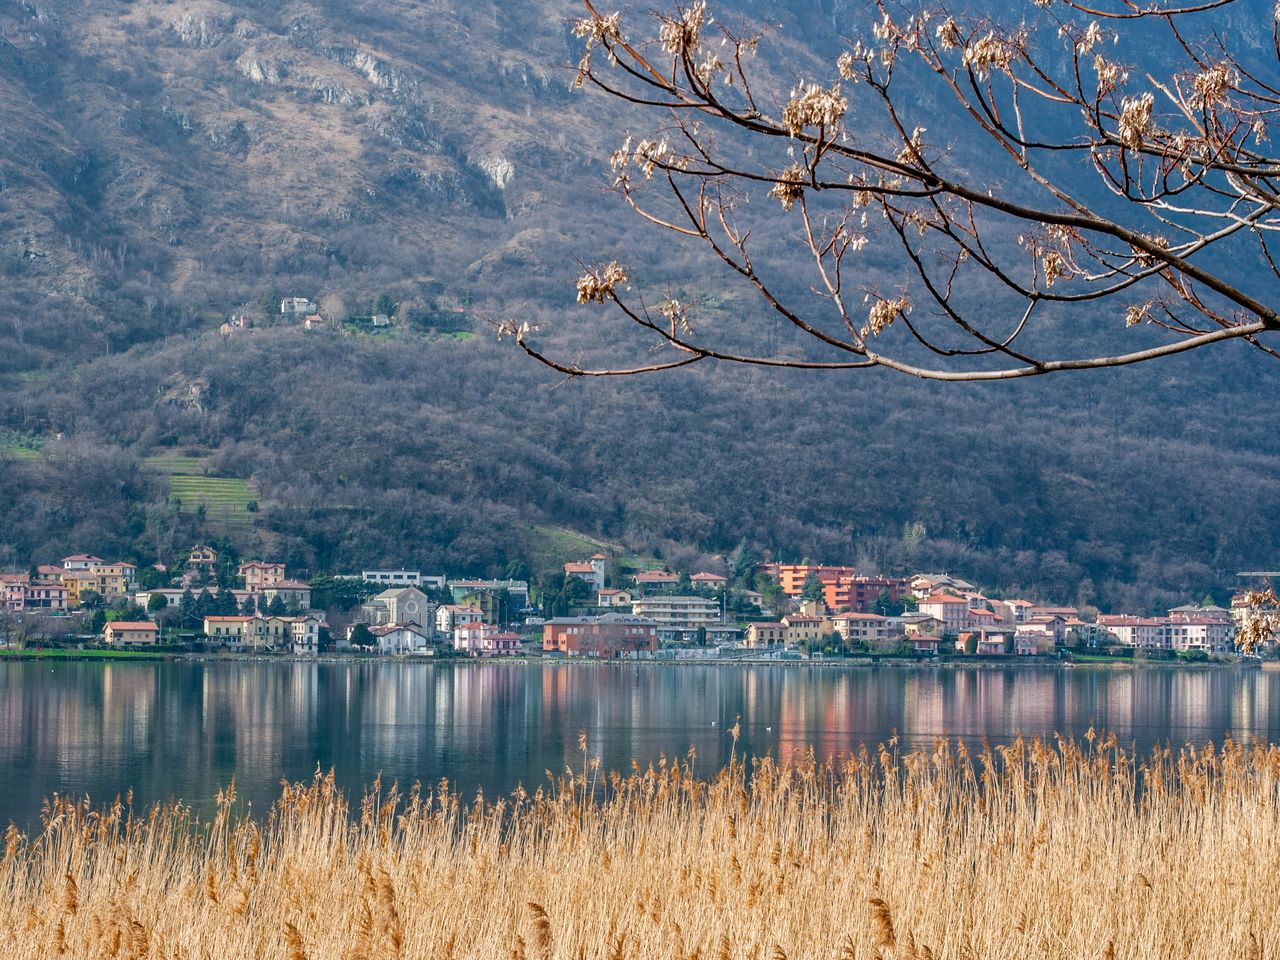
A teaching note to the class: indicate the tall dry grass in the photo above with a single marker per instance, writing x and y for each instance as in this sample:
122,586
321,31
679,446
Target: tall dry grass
1035,850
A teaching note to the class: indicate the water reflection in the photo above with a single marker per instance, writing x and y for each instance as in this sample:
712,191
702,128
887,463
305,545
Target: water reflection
185,728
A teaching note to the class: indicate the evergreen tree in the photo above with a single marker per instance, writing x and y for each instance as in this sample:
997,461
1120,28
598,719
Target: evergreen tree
276,607
250,606
205,606
187,608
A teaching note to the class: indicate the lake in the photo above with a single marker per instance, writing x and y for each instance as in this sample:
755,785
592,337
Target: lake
185,728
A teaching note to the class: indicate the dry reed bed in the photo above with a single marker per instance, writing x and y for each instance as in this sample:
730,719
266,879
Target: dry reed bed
1034,850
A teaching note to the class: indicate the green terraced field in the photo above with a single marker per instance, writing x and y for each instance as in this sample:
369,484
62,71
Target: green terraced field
175,464
225,499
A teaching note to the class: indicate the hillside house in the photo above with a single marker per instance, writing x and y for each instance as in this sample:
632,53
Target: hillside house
258,575
655,581
202,557
709,581
296,307
81,561
590,571
614,598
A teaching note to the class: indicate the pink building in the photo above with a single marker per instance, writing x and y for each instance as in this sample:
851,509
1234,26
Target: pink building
485,640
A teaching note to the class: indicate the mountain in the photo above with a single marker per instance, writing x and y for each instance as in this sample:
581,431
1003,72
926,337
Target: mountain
166,165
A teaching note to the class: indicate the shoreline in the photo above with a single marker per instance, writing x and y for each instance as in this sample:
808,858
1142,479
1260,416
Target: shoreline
851,663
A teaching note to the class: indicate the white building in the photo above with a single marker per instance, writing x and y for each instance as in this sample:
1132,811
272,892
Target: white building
678,618
451,615
399,639
393,578
296,306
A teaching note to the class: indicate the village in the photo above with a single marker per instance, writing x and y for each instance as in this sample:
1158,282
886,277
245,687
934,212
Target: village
803,611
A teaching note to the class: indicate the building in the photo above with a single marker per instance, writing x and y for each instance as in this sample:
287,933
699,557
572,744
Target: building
654,581
765,635
497,599
80,561
793,576
925,644
296,307
393,578
862,594
257,575
869,629
591,571
803,629
304,634
1012,611
952,611
450,615
48,596
613,598
610,635
263,633
131,632
402,639
400,605
920,625
926,584
202,557
678,618
1141,633
709,581
485,640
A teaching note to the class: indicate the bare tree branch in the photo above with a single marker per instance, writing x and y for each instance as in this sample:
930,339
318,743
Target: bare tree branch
998,236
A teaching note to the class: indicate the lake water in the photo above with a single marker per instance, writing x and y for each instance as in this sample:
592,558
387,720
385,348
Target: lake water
185,728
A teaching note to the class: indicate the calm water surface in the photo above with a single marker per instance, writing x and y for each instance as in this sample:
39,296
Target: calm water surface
182,729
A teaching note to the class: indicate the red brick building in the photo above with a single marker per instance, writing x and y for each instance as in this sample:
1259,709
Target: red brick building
610,635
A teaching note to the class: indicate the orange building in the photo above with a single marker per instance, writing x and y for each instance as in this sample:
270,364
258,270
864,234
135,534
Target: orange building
792,576
842,588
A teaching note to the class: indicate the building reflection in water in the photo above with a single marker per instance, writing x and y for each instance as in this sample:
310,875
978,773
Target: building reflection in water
184,729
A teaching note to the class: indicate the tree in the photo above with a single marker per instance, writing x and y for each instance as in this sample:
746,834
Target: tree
187,615
157,602
1006,263
250,606
205,606
149,578
362,636
277,608
812,589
